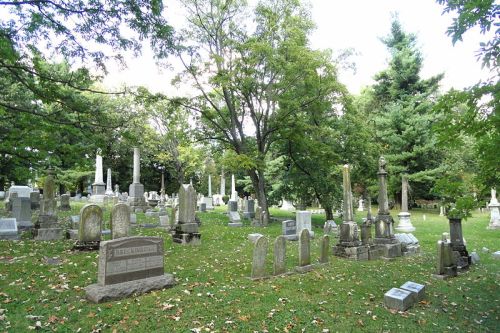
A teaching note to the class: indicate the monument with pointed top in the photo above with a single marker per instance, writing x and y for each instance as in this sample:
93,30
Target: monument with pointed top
384,224
349,245
109,187
404,216
136,189
186,230
208,201
98,187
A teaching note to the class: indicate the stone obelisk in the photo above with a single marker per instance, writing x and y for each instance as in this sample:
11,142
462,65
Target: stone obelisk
136,189
234,194
109,187
222,184
98,187
404,216
389,246
209,200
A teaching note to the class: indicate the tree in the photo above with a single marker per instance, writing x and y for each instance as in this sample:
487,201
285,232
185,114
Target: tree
399,104
245,77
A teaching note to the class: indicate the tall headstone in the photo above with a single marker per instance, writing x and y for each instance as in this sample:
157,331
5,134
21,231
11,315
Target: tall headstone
120,221
349,245
460,253
49,228
249,209
445,266
186,231
89,233
279,264
35,200
136,198
384,224
222,184
21,211
109,187
494,206
259,258
98,187
64,202
304,252
325,249
234,194
129,266
404,216
303,218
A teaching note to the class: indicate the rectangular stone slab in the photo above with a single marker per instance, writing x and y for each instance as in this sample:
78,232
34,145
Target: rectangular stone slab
130,258
398,299
417,289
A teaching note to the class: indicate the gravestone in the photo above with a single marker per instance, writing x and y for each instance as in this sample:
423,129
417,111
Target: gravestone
133,218
303,218
98,186
405,224
289,230
129,266
446,266
418,290
49,228
494,207
409,244
330,227
203,207
253,237
89,233
304,252
259,220
64,203
21,211
384,223
8,229
35,200
186,231
259,258
398,299
279,264
164,221
135,197
120,221
249,209
22,191
474,258
460,254
325,248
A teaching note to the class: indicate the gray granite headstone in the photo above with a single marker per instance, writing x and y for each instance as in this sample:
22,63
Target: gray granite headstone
8,228
398,299
417,289
120,221
133,218
21,211
304,251
289,229
64,202
259,258
279,265
90,223
325,249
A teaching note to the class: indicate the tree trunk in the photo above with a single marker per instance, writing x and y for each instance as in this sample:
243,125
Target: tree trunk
328,213
259,185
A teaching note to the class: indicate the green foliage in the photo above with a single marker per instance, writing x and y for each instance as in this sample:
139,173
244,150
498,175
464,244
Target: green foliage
456,196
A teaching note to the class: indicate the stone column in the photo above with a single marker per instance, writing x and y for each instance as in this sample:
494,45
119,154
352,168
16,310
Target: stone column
348,229
494,206
109,188
137,166
234,194
383,201
222,184
404,216
347,207
209,186
98,187
98,168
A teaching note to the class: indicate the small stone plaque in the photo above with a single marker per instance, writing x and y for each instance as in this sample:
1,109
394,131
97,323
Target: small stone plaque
398,299
8,228
417,289
130,258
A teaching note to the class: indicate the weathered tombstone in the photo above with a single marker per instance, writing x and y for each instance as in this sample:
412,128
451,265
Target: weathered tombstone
186,231
398,299
304,252
253,237
35,200
258,221
128,266
418,290
404,216
120,221
133,218
446,266
349,245
203,207
259,258
289,230
279,264
8,229
249,209
330,227
460,254
64,203
384,223
21,211
89,234
135,197
164,221
474,258
325,247
494,206
303,218
49,228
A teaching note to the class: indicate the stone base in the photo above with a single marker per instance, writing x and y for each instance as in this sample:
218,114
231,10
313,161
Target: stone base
136,190
186,238
304,269
24,225
65,208
411,250
374,252
86,246
390,250
398,299
47,220
235,224
49,234
137,203
462,259
99,294
405,223
9,237
97,198
291,237
248,215
351,252
448,273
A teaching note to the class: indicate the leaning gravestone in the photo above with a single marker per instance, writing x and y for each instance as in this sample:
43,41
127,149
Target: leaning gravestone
289,230
259,258
89,234
304,252
128,266
120,221
8,229
279,264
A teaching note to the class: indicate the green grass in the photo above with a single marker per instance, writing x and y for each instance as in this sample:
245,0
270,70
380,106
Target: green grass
214,294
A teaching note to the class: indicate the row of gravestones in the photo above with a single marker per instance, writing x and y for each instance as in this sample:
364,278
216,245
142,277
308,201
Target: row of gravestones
279,263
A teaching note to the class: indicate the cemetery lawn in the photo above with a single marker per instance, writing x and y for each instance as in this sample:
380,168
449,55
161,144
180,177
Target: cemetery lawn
44,281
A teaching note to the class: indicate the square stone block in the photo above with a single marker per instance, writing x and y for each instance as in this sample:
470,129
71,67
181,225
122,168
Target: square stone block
398,299
417,289
188,227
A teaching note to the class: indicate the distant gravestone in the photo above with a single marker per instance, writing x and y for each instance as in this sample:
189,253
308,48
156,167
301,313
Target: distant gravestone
164,221
234,219
8,229
289,229
304,252
21,211
133,218
35,200
120,221
253,237
325,248
186,230
127,266
64,203
279,264
303,218
249,209
90,225
259,258
203,207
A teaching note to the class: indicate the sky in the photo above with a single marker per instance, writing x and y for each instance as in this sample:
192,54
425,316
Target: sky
356,24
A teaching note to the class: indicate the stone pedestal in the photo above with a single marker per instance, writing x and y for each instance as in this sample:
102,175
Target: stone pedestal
494,215
98,190
459,251
405,223
136,198
384,237
186,230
